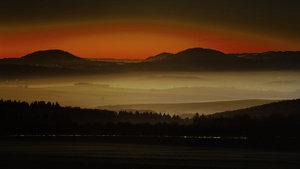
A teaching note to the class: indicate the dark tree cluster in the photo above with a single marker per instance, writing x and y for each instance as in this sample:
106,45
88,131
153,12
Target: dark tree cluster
149,117
50,118
46,118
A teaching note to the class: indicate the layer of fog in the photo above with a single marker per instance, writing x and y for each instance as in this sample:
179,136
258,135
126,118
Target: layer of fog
141,88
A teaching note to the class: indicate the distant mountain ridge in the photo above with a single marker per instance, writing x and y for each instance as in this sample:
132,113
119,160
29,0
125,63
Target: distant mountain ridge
189,60
198,59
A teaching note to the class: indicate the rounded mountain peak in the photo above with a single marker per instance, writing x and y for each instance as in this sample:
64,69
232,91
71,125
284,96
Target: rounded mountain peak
50,55
200,51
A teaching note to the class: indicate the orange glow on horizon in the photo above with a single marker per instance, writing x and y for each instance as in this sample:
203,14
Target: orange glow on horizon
130,41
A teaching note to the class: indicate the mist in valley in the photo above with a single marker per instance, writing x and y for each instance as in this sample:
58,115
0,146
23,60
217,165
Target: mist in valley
158,91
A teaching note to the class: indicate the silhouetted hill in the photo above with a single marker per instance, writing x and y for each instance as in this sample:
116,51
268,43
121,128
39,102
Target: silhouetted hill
187,55
41,64
45,57
51,58
284,108
196,59
199,59
191,60
49,55
51,63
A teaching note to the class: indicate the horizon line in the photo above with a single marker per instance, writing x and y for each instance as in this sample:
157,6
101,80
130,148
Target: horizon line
136,59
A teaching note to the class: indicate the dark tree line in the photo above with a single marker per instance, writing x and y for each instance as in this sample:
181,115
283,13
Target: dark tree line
50,118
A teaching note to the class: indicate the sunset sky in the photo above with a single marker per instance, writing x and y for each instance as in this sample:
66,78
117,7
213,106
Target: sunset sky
137,29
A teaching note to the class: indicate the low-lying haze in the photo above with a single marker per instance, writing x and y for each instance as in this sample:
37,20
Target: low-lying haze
154,88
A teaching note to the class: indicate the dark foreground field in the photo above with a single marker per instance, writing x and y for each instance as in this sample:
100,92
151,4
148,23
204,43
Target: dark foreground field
48,153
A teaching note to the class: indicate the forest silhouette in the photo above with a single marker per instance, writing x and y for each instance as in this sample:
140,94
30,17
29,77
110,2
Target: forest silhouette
46,118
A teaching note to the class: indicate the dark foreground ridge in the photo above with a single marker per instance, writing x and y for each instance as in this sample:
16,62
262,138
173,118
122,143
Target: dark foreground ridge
41,118
46,135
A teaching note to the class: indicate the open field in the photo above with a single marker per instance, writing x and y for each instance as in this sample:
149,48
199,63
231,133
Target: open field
27,154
